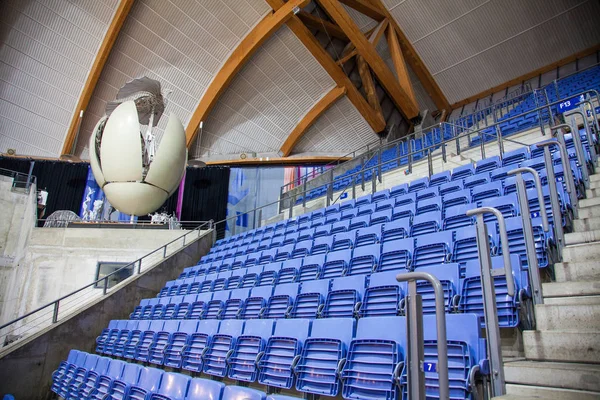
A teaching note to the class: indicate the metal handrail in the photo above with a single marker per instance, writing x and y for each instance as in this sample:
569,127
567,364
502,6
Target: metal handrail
31,179
55,303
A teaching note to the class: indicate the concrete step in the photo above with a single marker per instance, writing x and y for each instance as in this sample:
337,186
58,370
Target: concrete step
589,211
594,185
562,346
575,301
553,374
589,193
582,252
582,237
586,224
577,271
570,289
589,202
595,178
523,392
568,317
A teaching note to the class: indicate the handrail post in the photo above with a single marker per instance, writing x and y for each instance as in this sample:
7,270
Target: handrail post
379,165
362,173
55,312
105,287
498,131
554,200
579,151
330,188
489,293
568,173
410,156
304,185
416,374
588,131
429,162
482,143
532,261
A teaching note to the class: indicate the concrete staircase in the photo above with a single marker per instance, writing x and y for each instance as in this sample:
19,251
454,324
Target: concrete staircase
562,357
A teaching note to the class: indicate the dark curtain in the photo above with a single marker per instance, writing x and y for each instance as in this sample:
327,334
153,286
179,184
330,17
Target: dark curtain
64,181
204,197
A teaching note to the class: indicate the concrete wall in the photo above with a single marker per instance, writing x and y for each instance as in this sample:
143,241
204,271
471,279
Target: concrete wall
26,366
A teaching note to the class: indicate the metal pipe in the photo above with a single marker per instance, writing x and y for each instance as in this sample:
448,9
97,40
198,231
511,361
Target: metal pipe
579,151
538,186
440,318
568,173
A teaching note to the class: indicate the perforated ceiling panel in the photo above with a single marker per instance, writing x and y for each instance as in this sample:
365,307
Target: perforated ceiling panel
472,45
48,47
180,43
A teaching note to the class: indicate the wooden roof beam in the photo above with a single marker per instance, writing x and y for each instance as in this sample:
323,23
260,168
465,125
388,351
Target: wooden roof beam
415,62
94,75
310,118
238,58
320,24
364,7
399,64
366,49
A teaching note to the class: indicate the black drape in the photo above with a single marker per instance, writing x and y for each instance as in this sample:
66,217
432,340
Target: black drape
64,181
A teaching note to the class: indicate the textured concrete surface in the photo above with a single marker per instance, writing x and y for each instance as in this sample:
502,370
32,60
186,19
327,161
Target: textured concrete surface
522,392
26,366
562,346
554,374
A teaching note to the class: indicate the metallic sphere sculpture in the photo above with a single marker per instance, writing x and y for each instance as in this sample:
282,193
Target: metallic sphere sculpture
135,178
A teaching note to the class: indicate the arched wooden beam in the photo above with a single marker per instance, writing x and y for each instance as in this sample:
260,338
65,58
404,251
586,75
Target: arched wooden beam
310,118
92,79
238,58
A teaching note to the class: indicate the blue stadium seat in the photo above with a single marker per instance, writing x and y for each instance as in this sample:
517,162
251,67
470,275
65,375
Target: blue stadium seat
366,236
380,196
177,342
321,245
234,304
204,389
191,355
344,240
508,205
363,200
476,180
516,157
219,348
302,248
66,370
396,255
410,198
404,211
360,222
439,178
366,209
385,204
290,238
462,172
119,387
418,184
105,380
219,282
455,217
148,382
311,267
197,309
427,193
450,187
399,190
283,252
172,386
84,379
383,295
339,227
428,205
242,393
248,349
310,300
501,173
516,240
336,264
255,303
276,367
114,326
269,274
486,191
449,276
281,301
488,164
345,296
432,249
455,199
381,217
347,205
426,223
216,305
323,230
318,369
374,360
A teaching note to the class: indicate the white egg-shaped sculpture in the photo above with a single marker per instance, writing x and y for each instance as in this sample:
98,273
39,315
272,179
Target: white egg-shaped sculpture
133,184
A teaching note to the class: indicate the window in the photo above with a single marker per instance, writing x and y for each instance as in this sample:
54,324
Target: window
107,267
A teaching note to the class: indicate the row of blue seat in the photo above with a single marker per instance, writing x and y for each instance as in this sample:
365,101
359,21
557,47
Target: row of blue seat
350,296
360,359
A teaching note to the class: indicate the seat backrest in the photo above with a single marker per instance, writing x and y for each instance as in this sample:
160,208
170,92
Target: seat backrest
150,379
259,327
205,389
341,329
476,180
298,329
320,286
287,289
427,193
131,373
463,171
242,393
174,385
431,204
231,327
188,326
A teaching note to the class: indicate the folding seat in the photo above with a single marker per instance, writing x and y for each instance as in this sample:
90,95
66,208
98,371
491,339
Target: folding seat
302,219
383,295
317,214
370,235
449,277
170,286
191,355
510,182
426,223
75,359
283,252
177,343
347,205
302,248
344,298
267,256
348,214
276,367
146,338
418,184
250,278
117,345
310,300
315,223
219,282
396,255
127,350
137,311
323,351
404,211
516,240
488,164
234,280
311,268
465,244
486,191
239,392
433,249
248,348
399,190
109,335
477,180
336,264
471,299
375,357
456,217
508,205
252,259
534,203
79,379
501,173
289,270
206,284
276,241
439,178
303,227
381,217
380,196
450,187
343,241
188,272
218,349
161,340
515,157
364,260
462,172
216,305
321,245
290,238
148,382
323,230
172,386
332,209
385,205
366,210
281,301
197,309
465,351
362,201
341,226
360,222
332,218
105,380
410,198
182,307
255,303
395,230
455,199
427,193
180,290
432,204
